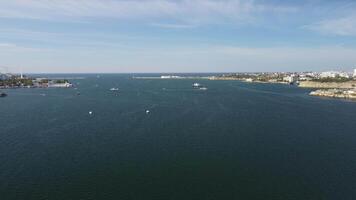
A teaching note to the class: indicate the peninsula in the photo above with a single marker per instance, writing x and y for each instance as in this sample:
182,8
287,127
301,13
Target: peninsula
10,81
329,84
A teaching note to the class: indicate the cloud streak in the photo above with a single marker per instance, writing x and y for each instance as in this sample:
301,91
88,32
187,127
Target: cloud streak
14,48
175,59
173,26
345,26
197,11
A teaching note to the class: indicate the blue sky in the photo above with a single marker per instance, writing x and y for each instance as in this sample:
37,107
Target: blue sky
177,35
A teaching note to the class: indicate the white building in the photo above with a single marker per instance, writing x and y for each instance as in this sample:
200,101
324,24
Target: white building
344,75
354,72
334,74
304,77
290,79
5,76
60,85
169,77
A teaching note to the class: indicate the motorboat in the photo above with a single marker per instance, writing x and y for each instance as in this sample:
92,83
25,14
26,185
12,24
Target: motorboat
196,85
114,89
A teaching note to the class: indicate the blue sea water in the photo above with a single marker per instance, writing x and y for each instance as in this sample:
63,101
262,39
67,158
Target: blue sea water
233,141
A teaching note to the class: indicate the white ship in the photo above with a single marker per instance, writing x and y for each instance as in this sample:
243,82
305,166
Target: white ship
114,89
196,85
199,86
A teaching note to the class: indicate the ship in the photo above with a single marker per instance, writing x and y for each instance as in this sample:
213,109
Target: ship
199,86
196,85
114,89
3,94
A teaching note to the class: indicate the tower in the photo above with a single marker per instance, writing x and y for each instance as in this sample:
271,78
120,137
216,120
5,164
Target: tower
21,74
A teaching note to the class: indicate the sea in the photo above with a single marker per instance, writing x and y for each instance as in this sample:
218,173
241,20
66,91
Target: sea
234,140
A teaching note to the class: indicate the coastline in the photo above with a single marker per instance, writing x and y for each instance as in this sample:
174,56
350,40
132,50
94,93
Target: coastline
335,93
334,89
175,78
328,85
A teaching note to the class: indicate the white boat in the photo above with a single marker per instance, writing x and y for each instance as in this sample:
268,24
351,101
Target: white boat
199,86
196,85
114,89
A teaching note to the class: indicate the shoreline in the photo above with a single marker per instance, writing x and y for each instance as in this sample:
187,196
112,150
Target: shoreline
328,85
341,90
335,93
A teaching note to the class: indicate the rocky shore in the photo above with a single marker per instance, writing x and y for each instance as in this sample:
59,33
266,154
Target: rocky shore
328,85
335,93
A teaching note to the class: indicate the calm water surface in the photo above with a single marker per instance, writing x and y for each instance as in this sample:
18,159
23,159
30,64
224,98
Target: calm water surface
233,141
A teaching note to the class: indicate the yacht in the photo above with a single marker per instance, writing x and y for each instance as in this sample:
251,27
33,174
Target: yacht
114,89
199,86
196,85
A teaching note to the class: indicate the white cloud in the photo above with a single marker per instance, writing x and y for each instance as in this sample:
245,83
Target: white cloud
13,48
197,11
173,26
345,26
181,59
7,45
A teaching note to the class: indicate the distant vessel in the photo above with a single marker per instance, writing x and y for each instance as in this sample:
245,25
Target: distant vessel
196,85
114,89
3,94
199,86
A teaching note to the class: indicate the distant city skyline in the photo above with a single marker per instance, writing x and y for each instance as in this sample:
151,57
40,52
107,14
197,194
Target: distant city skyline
120,36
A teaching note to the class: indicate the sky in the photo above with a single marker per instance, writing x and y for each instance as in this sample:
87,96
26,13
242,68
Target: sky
131,36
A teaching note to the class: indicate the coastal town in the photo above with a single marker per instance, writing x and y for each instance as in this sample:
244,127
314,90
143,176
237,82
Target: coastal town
336,84
11,81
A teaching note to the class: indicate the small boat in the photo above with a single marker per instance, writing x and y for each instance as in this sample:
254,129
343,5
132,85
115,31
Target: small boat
147,112
199,86
196,85
3,94
114,89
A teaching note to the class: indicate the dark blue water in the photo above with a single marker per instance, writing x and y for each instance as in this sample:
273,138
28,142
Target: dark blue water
234,141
